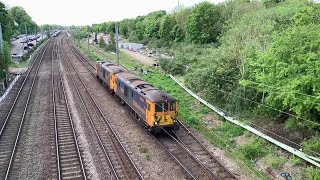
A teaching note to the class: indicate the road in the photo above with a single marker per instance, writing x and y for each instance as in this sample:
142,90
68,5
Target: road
140,57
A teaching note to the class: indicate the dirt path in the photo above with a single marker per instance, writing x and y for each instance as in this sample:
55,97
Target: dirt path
140,57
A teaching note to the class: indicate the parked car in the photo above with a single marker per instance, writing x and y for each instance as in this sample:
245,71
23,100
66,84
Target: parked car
15,55
25,40
26,48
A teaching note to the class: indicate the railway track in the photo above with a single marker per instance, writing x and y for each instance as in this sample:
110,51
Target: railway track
184,147
68,156
184,157
119,161
200,152
7,103
12,125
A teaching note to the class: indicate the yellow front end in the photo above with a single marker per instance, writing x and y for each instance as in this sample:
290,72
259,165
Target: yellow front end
161,114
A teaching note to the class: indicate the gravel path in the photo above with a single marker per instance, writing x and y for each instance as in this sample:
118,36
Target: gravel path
140,57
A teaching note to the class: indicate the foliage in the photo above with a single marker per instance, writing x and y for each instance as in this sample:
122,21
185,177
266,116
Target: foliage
102,43
235,70
220,136
204,24
6,22
274,161
23,21
291,65
79,32
152,24
173,66
254,148
6,25
166,27
312,173
312,145
111,44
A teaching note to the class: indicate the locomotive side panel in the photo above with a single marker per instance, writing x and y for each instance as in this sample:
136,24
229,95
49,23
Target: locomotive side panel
131,97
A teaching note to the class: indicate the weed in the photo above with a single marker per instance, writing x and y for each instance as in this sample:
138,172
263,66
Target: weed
312,145
274,161
253,149
147,157
231,130
312,173
295,161
143,150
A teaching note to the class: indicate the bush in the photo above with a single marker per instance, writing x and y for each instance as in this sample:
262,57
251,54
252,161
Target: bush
172,66
102,44
312,144
312,173
253,149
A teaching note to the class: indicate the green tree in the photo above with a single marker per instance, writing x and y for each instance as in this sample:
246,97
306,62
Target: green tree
152,24
181,18
111,44
291,65
102,44
177,33
166,26
5,22
21,17
204,24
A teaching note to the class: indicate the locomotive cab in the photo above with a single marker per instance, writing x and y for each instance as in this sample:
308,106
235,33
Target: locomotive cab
162,115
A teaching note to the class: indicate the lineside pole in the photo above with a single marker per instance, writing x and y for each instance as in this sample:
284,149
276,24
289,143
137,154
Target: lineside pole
117,43
88,43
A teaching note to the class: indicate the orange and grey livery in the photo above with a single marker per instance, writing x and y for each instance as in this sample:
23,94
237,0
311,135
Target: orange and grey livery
154,108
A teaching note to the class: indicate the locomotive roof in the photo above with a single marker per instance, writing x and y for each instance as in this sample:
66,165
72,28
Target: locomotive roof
144,88
111,67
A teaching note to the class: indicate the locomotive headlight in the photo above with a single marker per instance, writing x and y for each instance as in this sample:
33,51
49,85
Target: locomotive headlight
156,123
174,121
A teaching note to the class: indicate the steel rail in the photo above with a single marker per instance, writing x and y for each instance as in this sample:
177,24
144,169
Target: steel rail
24,113
179,162
205,148
106,120
91,122
24,81
73,129
69,117
55,121
213,176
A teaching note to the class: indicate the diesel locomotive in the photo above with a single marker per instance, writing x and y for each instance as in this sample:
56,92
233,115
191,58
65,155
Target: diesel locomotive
154,108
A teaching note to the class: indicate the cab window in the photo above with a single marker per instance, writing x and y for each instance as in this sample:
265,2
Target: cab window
148,105
173,106
166,106
158,107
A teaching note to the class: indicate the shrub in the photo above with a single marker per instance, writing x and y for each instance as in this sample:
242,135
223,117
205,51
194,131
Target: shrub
312,144
172,66
253,149
312,173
